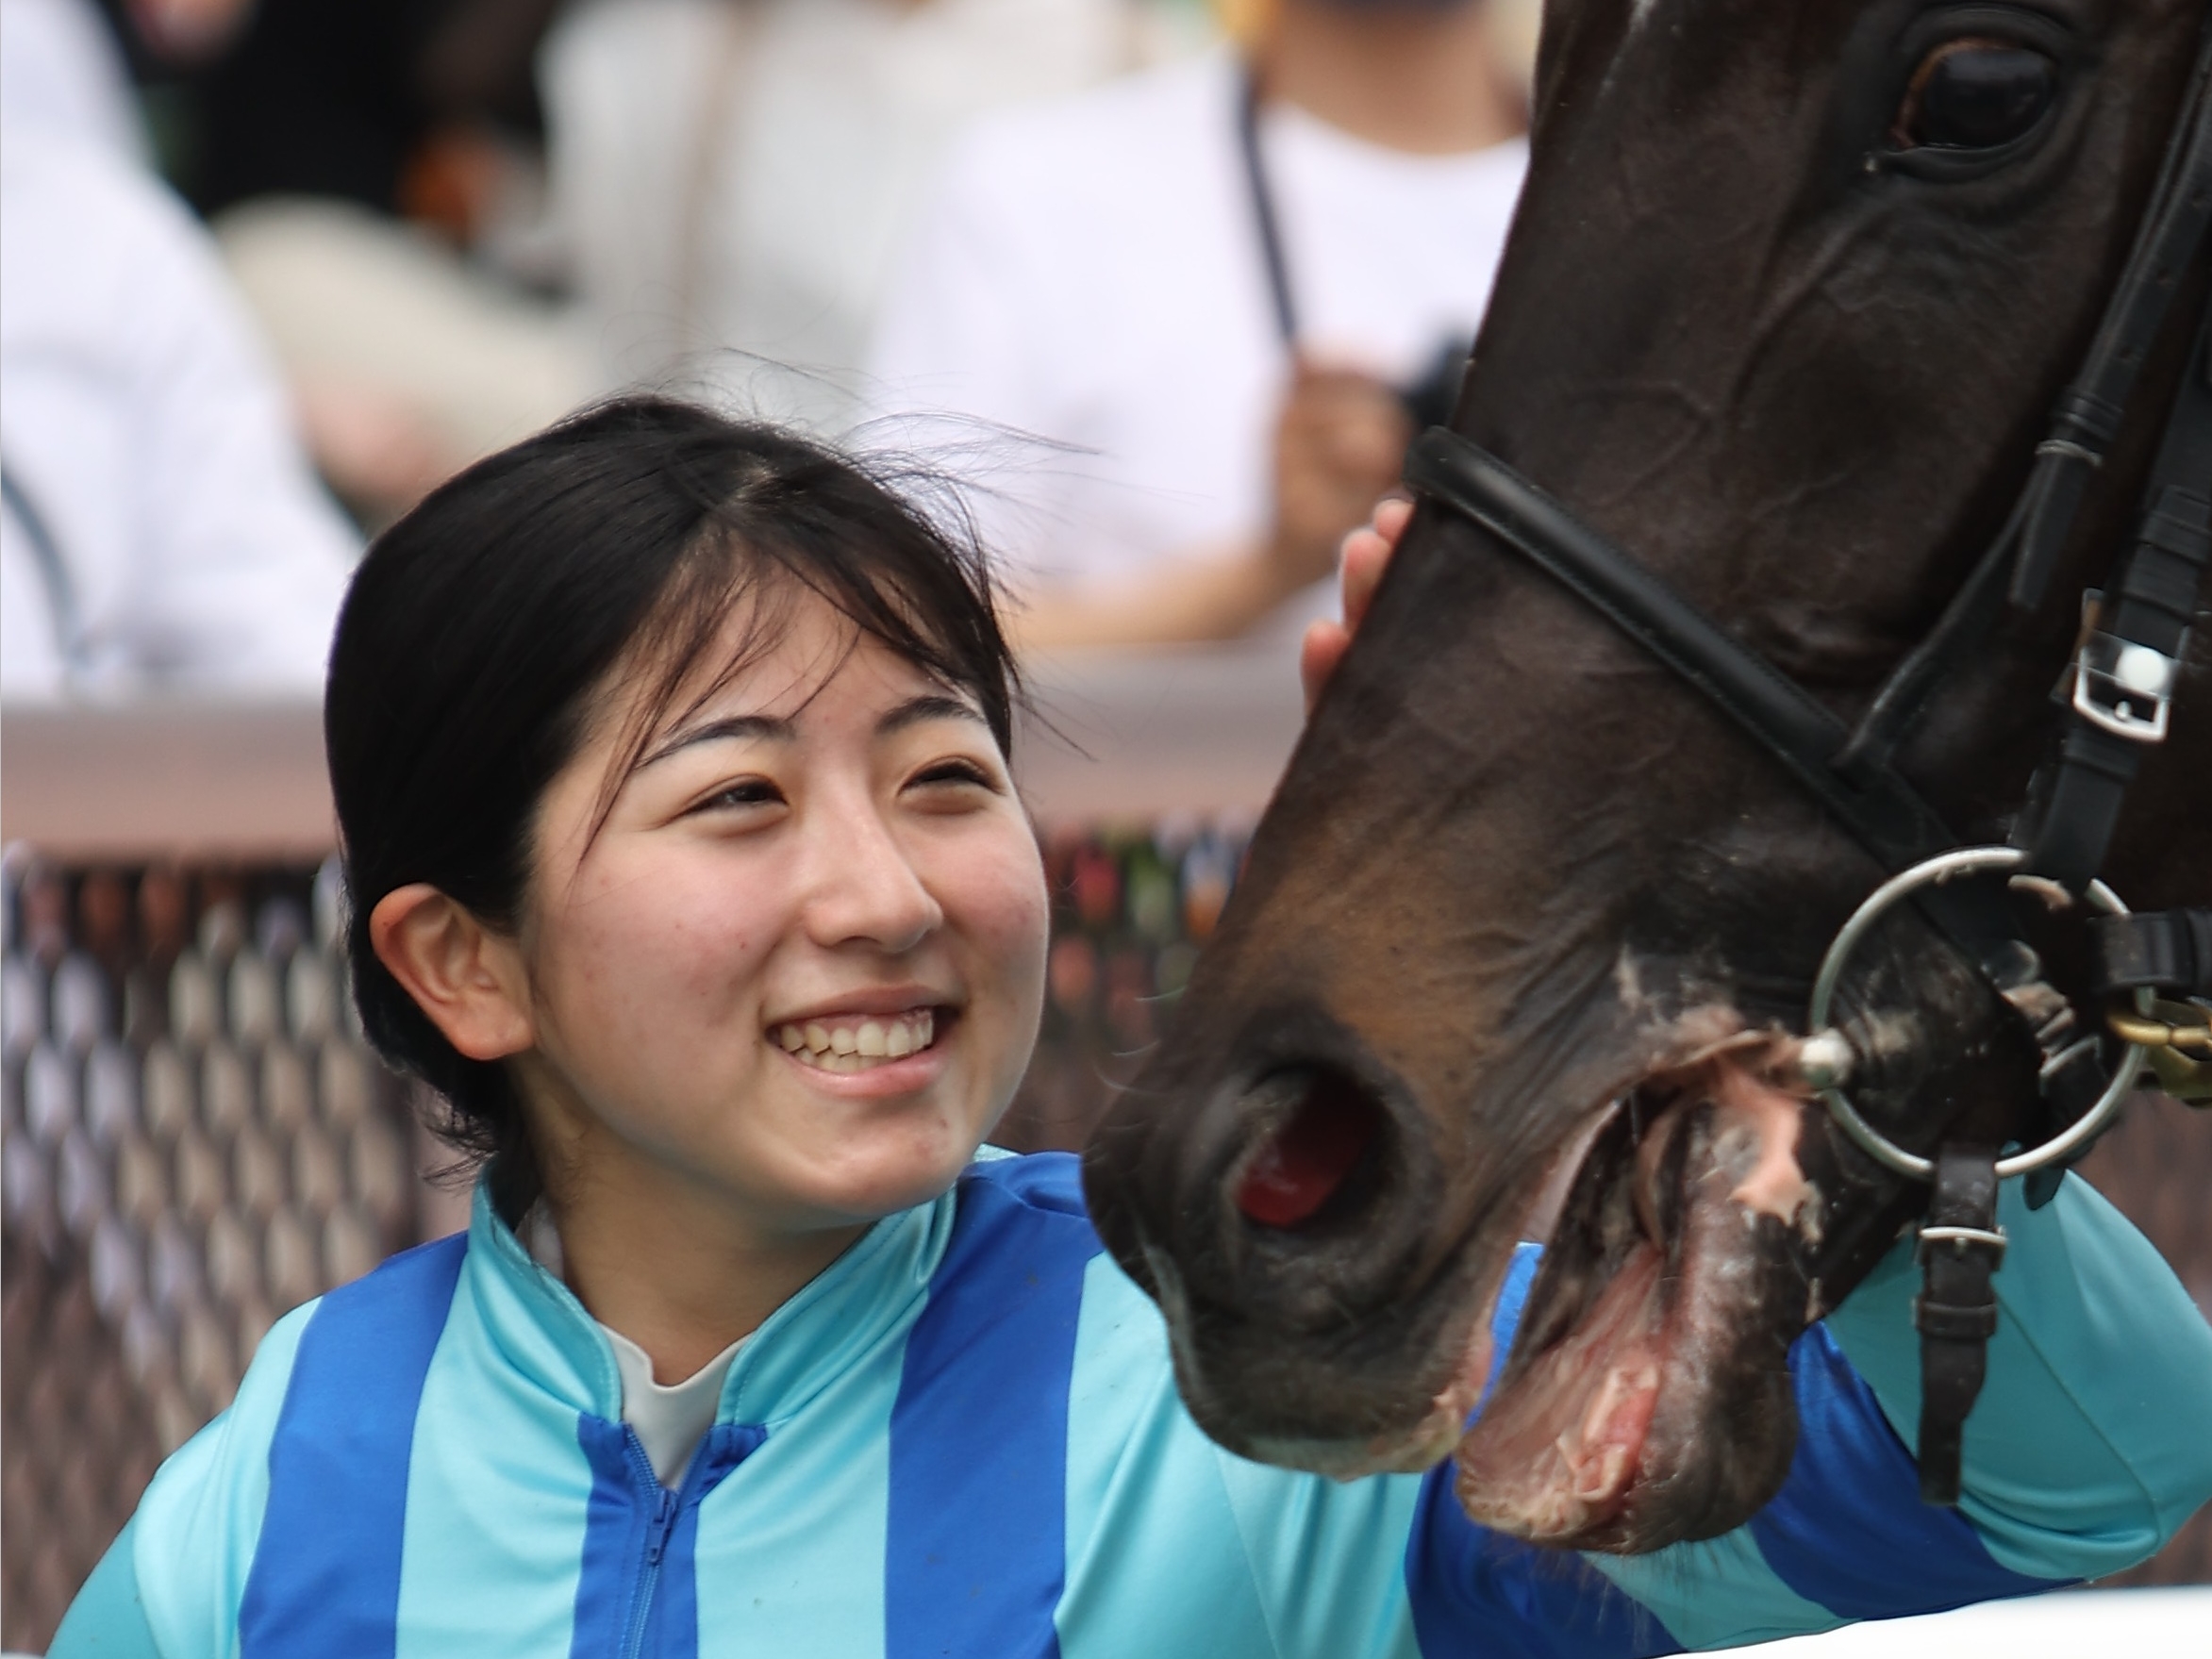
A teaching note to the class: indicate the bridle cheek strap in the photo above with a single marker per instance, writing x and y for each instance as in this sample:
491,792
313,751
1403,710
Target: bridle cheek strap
1956,1313
2087,420
2133,643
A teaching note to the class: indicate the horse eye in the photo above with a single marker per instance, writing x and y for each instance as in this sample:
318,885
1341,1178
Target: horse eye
1976,95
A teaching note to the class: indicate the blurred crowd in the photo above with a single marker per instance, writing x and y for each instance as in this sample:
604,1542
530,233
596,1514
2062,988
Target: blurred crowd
1164,285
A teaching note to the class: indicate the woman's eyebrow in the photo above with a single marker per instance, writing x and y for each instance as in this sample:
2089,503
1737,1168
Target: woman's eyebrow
927,708
744,727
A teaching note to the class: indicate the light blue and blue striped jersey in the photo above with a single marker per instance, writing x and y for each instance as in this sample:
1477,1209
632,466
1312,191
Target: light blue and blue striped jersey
963,1438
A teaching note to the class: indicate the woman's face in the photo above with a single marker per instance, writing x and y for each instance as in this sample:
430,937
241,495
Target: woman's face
802,960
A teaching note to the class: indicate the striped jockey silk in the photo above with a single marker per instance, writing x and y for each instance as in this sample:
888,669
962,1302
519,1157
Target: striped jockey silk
964,1440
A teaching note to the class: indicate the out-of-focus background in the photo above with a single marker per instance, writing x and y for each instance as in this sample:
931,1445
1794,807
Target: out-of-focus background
270,270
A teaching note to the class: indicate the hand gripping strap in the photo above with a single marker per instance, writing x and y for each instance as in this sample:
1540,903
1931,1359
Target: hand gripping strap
1956,1310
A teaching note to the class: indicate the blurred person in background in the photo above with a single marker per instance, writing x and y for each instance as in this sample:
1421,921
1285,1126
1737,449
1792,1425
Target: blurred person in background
709,193
372,169
161,528
732,178
1227,292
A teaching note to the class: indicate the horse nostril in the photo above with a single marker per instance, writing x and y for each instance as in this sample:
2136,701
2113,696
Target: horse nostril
1307,1161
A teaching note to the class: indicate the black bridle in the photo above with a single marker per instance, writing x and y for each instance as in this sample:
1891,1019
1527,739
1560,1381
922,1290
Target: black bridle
2122,680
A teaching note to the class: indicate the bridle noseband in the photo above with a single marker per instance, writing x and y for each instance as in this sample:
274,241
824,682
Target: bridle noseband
2123,681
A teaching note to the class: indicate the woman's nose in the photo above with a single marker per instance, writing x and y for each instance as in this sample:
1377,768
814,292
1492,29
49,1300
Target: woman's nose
865,887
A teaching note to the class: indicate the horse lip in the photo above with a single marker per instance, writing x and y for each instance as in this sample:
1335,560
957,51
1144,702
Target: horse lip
1597,1316
1640,1249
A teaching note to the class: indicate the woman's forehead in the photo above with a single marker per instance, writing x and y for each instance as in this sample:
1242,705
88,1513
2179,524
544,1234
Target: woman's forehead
779,663
786,670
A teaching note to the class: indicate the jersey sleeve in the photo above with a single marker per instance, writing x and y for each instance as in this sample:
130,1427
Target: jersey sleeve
170,1586
107,1620
1470,1591
2091,1442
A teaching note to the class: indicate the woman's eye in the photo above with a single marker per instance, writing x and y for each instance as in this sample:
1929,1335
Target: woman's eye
954,771
1976,95
747,793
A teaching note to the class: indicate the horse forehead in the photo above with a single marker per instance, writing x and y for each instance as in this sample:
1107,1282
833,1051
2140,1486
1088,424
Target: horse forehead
1641,13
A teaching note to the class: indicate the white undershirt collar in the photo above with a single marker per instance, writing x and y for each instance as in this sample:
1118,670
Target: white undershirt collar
669,1418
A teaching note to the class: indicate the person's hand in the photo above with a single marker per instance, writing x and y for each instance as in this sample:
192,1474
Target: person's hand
378,450
1340,442
1366,552
188,31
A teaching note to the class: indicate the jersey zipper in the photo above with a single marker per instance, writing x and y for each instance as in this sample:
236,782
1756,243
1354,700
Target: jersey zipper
667,1505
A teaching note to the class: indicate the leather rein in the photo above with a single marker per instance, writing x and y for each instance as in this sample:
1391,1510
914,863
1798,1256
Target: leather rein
2122,688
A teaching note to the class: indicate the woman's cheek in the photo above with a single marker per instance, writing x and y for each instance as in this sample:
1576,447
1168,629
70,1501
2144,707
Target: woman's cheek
660,938
1013,913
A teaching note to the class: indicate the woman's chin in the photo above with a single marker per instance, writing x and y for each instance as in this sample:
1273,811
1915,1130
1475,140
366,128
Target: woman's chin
885,1163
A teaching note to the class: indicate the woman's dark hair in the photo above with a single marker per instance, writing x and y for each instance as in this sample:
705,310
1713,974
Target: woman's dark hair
479,627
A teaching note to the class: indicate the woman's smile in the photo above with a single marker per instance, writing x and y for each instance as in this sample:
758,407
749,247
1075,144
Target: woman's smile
881,1043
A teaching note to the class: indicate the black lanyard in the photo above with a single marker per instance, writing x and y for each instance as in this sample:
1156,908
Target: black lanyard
1430,395
1265,222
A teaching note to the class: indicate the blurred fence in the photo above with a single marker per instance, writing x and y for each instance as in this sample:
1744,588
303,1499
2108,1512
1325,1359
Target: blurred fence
192,1139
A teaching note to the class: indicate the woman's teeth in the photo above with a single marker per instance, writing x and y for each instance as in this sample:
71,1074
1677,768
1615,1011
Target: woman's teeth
843,1045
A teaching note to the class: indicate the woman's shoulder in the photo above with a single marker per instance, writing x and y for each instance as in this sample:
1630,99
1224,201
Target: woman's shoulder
1024,1270
199,1525
1019,1227
1047,1180
194,1534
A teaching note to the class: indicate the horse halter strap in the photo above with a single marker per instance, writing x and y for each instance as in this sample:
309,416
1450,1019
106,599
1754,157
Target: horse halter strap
2120,692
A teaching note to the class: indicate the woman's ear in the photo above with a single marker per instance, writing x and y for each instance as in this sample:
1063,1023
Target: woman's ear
466,978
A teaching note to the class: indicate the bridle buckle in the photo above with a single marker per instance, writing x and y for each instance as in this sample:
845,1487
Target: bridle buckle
1962,1239
2124,687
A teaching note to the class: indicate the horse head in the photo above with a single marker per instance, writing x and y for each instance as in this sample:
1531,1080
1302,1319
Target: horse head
1523,943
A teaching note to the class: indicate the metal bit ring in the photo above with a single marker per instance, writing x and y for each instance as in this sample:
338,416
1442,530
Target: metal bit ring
1961,861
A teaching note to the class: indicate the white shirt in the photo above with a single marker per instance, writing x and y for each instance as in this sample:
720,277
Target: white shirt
733,180
61,71
141,425
1089,273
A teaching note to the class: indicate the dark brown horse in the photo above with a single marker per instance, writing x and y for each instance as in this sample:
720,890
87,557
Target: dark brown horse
1527,930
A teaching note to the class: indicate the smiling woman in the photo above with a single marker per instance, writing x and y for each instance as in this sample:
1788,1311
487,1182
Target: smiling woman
782,812
671,762
699,664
